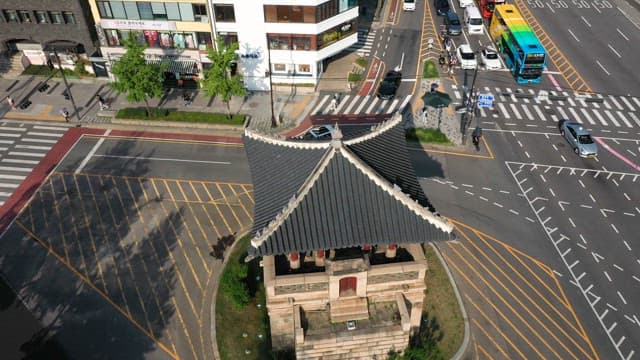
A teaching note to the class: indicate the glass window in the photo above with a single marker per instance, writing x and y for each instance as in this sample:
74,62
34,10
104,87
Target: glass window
304,68
25,16
144,9
186,10
41,17
11,16
166,40
173,12
332,35
228,38
113,38
279,68
56,17
224,13
132,10
152,38
190,41
105,10
117,8
69,18
159,12
204,40
296,14
301,42
279,42
200,12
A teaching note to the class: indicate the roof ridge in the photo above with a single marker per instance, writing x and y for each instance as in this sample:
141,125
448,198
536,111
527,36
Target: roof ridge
396,191
263,234
376,130
282,141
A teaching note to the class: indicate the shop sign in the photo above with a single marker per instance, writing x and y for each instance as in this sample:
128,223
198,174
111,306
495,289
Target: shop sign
138,24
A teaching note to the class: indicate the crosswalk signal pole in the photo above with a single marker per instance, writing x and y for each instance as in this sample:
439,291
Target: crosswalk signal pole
66,85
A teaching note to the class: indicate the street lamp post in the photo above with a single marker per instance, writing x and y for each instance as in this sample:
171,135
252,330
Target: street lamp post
66,84
268,73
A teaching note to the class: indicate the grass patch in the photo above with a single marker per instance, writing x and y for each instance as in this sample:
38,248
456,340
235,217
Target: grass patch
441,308
430,70
232,322
180,116
432,136
354,77
362,62
41,70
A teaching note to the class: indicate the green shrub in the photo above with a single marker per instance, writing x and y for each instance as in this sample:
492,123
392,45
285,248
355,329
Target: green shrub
41,70
354,77
362,61
427,136
180,116
234,283
430,70
80,69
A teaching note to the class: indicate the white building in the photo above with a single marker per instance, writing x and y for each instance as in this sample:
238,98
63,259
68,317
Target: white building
297,37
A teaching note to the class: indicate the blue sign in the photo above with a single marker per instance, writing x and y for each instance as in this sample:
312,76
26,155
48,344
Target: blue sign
485,100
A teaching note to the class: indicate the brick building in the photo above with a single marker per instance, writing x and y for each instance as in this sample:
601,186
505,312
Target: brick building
339,225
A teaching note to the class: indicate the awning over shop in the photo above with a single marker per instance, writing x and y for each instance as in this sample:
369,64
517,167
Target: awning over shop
173,65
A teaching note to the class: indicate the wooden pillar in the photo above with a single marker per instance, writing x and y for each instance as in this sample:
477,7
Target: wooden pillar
319,258
294,260
391,251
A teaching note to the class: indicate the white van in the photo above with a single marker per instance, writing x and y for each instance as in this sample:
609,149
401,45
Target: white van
473,20
409,5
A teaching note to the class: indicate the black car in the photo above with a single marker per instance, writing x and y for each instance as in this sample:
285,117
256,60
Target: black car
442,6
389,85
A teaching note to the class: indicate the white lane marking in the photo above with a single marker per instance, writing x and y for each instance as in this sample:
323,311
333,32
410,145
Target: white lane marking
622,34
43,134
614,50
12,177
603,68
43,141
163,159
20,161
33,147
8,185
54,128
13,168
21,153
92,152
10,135
11,128
574,35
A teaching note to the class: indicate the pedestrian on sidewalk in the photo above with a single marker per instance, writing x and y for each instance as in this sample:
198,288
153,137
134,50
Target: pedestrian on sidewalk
11,102
187,99
65,113
101,102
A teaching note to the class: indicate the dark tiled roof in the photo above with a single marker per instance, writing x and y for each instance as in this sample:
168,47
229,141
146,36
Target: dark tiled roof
321,195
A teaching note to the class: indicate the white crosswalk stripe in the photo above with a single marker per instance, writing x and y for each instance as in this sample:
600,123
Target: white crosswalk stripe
22,147
503,110
364,44
624,119
635,118
600,118
612,118
355,104
563,114
539,112
516,112
586,115
635,100
628,103
617,104
527,112
574,115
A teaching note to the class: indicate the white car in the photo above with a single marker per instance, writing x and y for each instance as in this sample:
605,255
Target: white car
465,3
466,57
321,132
490,58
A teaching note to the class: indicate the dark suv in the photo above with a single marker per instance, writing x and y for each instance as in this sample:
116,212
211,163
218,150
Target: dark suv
389,85
452,22
442,6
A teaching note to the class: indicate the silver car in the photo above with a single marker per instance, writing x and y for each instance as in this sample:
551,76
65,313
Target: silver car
579,138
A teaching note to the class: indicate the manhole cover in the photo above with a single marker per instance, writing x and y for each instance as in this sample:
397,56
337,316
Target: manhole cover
253,104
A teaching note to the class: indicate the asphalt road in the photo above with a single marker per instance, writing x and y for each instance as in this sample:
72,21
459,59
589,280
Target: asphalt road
118,240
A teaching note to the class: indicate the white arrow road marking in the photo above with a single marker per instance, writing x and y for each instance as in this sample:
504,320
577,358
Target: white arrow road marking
597,257
562,203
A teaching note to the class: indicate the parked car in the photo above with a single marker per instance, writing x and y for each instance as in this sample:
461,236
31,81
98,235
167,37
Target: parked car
466,57
490,59
442,6
579,138
465,3
321,132
409,5
389,85
452,23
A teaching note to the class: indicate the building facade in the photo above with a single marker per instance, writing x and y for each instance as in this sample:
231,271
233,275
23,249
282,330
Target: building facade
32,26
340,226
289,40
177,32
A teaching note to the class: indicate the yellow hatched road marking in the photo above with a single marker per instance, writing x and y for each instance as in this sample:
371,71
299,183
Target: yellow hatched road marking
60,226
91,238
218,209
191,235
229,206
74,228
87,281
488,336
524,294
126,258
248,192
507,305
175,232
237,195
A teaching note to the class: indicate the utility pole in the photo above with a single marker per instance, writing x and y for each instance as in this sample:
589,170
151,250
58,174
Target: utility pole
470,103
66,84
268,73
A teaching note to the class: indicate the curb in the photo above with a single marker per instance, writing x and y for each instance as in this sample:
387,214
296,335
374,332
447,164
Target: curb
465,341
174,124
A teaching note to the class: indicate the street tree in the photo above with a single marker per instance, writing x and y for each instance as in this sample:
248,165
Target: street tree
135,78
218,79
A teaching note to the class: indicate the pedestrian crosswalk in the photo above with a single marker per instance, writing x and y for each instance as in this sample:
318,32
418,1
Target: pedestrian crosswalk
364,43
355,104
22,146
526,105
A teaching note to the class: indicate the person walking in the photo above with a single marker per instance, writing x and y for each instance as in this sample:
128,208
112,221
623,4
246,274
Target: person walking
101,102
476,136
65,113
334,103
11,102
